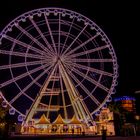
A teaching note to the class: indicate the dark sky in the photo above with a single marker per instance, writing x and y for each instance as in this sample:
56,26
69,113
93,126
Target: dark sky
118,20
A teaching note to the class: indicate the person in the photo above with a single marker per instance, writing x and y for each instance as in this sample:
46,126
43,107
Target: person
80,130
103,134
72,130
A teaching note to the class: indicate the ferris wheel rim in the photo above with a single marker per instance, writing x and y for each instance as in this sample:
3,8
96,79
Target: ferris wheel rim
110,47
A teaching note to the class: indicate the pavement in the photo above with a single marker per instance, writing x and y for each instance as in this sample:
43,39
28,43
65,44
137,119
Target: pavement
74,138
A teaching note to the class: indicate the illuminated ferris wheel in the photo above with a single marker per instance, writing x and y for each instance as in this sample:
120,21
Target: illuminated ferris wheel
56,61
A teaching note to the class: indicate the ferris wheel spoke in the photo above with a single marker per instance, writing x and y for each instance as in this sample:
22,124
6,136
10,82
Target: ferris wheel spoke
56,48
92,60
33,39
23,44
23,64
50,32
63,98
19,94
83,87
75,39
81,45
21,76
91,80
28,86
42,35
92,69
22,93
59,33
22,54
67,35
89,51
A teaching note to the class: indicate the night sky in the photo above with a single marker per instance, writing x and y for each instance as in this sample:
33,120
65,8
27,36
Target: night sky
118,20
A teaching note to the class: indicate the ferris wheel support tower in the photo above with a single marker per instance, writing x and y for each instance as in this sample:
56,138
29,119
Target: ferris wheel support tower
79,107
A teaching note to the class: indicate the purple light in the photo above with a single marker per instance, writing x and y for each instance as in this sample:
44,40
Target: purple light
4,104
105,106
124,98
20,118
12,111
109,99
97,113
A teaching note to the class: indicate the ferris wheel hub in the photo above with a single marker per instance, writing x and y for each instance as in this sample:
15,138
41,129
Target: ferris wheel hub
62,42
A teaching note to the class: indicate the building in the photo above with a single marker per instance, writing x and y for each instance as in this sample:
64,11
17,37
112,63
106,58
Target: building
105,121
127,103
126,115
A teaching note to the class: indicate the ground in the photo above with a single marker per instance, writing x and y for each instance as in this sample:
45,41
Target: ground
79,138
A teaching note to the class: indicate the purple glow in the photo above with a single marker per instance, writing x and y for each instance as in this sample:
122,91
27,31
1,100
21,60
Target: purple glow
4,104
20,118
75,42
12,111
124,98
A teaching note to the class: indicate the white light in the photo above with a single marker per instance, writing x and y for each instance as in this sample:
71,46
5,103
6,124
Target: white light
55,13
136,92
63,14
23,19
39,14
71,16
9,29
79,19
47,13
0,94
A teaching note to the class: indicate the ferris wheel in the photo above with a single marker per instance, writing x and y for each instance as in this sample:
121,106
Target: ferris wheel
59,53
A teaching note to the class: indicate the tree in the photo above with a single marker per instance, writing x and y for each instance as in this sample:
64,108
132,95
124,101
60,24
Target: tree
119,116
3,113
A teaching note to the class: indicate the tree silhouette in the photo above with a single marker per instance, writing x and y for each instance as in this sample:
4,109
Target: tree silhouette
119,116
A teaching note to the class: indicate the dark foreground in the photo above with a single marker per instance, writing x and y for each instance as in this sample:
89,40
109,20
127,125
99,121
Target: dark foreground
73,138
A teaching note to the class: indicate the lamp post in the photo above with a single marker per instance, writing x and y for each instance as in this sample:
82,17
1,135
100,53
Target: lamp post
137,118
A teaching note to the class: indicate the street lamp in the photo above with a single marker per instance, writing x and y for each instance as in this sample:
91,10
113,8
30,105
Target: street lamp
137,92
